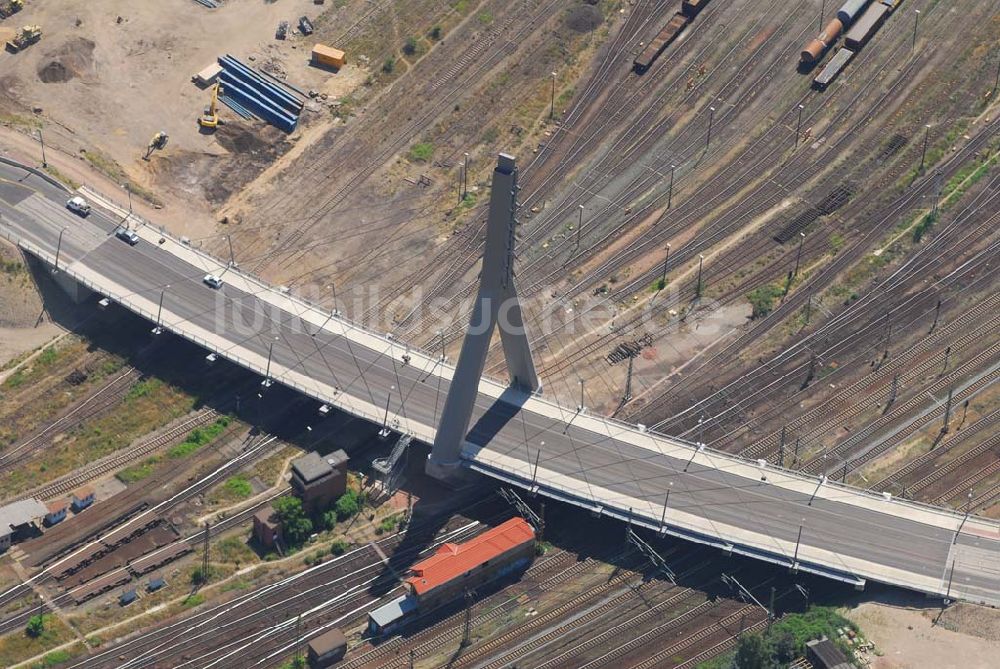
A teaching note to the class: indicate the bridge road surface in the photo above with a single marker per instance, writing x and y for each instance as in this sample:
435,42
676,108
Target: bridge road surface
602,465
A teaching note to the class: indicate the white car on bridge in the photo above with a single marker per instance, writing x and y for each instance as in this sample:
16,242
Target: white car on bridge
78,205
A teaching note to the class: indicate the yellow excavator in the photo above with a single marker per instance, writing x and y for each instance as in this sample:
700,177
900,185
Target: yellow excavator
10,7
210,117
157,143
25,37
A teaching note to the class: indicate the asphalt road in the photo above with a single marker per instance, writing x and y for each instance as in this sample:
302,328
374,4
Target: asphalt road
629,472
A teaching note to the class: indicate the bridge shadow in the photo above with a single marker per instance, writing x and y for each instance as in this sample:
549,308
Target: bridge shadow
496,418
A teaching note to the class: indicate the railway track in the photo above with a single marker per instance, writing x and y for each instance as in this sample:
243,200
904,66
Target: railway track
119,459
973,430
102,400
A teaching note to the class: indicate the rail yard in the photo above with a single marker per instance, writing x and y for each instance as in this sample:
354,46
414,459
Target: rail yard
253,414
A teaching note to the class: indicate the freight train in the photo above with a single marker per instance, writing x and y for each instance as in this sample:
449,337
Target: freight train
862,19
674,27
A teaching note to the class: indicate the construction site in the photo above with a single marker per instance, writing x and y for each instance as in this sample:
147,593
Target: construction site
741,410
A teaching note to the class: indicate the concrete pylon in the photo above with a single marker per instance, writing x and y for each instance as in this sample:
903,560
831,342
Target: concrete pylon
496,304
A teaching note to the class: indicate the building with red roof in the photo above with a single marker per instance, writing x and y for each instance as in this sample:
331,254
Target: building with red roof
454,568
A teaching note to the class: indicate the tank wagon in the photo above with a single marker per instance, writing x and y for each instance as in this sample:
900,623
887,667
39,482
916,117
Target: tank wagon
862,19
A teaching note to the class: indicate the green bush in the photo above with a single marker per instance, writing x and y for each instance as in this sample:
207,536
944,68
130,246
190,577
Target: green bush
410,46
328,520
347,506
338,547
239,487
36,626
389,65
295,526
435,33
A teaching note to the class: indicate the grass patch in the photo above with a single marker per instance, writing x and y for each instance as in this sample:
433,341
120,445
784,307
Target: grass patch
762,299
199,437
237,487
17,120
486,18
138,472
234,550
17,647
194,600
107,166
62,178
421,152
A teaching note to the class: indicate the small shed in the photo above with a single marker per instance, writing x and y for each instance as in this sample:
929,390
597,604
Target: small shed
56,511
824,654
127,598
155,584
82,497
327,648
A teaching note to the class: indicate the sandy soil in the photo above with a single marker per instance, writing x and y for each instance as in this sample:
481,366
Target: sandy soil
907,638
108,74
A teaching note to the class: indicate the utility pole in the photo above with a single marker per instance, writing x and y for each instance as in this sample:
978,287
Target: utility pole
232,256
204,554
298,643
666,503
701,262
440,334
947,357
781,447
579,227
413,655
628,382
937,314
798,255
579,407
795,454
798,542
770,610
670,191
892,390
923,152
663,275
822,12
59,249
460,196
798,126
812,368
947,413
267,373
41,140
552,98
809,304
996,84
916,20
467,627
711,119
888,335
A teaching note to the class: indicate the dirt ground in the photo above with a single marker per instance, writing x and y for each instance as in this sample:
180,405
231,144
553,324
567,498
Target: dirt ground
23,327
108,74
906,637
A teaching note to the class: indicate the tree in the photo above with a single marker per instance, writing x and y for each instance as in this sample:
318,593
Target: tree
752,653
389,65
410,46
328,520
36,626
295,526
436,33
347,506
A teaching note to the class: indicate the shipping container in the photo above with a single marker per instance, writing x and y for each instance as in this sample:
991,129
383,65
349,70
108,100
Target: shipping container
814,49
866,26
892,4
207,76
690,8
325,55
832,69
659,43
851,10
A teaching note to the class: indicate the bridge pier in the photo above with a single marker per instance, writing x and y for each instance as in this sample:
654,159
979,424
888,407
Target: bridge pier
496,304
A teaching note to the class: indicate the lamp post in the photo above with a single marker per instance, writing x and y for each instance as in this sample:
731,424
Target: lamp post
670,192
711,120
798,126
552,98
41,140
916,21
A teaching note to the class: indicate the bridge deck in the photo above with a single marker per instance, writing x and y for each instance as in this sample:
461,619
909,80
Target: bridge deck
526,440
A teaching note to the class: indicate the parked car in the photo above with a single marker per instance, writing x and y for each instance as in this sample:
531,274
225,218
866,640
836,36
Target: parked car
213,281
127,235
78,205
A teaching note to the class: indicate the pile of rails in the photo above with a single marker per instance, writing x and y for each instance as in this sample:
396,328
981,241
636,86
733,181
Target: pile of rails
248,93
864,17
677,23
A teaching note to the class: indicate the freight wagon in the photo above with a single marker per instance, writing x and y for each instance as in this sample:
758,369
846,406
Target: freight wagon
812,52
866,26
851,10
832,69
660,42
